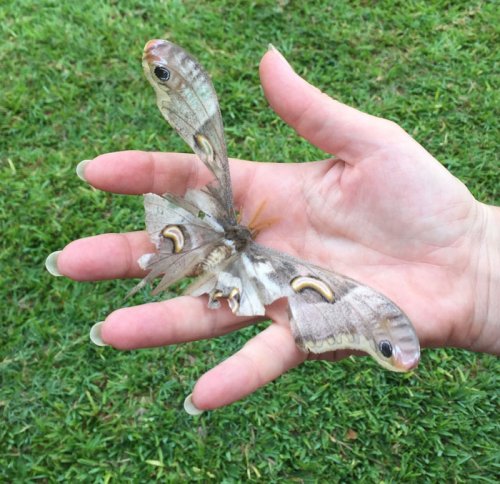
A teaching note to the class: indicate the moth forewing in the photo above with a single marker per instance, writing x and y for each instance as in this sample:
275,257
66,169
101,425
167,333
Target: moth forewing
187,100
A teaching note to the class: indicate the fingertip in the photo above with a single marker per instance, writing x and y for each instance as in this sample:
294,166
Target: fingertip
105,256
134,169
328,124
273,64
218,388
71,261
264,358
137,172
125,329
287,93
273,51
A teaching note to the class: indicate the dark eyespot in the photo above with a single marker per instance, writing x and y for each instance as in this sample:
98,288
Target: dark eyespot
385,348
162,73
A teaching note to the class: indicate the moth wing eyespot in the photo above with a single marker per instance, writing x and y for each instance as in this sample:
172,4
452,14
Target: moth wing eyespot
162,73
385,348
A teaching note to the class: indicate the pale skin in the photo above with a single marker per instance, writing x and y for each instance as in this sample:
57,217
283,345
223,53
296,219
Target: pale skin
381,210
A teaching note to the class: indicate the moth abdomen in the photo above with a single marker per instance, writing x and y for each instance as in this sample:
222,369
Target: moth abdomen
213,259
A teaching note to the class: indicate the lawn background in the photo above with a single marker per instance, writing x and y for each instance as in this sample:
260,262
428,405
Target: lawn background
72,87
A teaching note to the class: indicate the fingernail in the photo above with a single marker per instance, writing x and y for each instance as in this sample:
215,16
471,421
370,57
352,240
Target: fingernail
95,334
190,407
271,48
80,169
51,263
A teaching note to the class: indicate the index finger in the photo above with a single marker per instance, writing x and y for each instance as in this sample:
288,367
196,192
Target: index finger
139,172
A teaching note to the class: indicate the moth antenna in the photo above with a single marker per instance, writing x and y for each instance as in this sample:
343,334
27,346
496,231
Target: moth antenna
264,224
255,225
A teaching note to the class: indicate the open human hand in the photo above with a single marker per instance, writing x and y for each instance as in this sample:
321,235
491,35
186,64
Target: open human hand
382,211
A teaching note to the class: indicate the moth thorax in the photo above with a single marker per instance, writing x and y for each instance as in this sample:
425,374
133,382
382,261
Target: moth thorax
239,235
216,256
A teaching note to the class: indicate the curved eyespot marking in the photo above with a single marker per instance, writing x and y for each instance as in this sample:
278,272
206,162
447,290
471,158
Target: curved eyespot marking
205,145
174,233
162,73
301,283
234,300
385,348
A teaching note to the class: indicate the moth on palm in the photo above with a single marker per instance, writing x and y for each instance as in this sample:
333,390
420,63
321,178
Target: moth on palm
328,311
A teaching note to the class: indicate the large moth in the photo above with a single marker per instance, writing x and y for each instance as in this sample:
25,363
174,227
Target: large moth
199,235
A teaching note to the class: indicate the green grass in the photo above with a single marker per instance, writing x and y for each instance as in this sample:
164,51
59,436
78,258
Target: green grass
72,87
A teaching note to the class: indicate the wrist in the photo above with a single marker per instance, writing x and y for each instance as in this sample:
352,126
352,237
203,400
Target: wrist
485,261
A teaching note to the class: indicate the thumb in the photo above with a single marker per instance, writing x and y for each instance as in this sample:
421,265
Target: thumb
328,124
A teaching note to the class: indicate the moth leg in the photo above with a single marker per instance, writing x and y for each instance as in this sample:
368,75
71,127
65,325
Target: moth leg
214,299
233,300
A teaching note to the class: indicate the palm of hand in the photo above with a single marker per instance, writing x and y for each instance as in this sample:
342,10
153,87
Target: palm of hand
403,228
